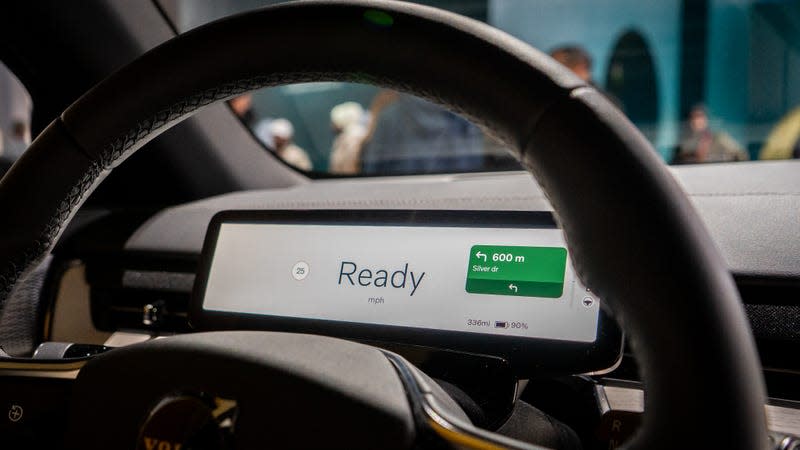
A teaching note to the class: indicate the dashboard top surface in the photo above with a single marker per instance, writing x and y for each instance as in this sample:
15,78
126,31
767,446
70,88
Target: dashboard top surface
751,209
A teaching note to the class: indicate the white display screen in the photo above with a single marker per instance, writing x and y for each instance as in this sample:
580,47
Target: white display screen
498,281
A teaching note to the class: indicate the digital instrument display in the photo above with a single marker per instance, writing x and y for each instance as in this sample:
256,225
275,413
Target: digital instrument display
391,271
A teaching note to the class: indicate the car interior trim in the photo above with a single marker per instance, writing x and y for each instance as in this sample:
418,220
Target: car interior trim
783,417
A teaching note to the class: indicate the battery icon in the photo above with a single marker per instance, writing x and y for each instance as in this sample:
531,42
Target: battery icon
501,324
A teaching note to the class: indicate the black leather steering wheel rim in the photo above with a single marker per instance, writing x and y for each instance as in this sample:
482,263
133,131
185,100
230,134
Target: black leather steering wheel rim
633,234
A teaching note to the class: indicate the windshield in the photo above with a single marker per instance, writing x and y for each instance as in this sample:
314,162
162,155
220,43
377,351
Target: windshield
706,81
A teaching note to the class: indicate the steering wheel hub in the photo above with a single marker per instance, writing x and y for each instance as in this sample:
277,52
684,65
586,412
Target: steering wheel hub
187,422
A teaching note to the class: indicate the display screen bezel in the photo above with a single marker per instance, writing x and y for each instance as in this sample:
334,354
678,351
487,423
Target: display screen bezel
525,355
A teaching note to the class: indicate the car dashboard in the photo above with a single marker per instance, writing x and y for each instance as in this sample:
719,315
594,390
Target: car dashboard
143,278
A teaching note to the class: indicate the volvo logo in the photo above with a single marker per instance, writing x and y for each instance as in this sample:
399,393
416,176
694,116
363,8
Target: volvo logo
188,421
157,444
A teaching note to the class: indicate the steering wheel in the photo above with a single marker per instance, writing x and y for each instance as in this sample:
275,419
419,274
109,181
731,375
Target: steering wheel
633,235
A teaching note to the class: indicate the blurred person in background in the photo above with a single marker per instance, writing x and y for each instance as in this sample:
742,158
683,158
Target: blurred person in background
282,133
704,145
350,123
576,59
579,61
412,135
242,106
783,141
